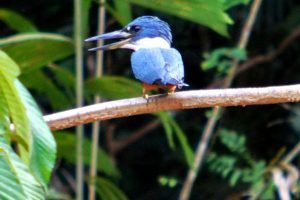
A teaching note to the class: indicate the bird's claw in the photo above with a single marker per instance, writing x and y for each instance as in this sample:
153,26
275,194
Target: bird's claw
145,94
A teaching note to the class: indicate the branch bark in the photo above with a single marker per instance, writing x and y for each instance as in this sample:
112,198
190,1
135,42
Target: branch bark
179,100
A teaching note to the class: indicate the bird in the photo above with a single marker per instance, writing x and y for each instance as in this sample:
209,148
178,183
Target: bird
154,62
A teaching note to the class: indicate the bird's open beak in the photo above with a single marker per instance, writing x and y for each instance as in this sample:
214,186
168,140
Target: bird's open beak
112,35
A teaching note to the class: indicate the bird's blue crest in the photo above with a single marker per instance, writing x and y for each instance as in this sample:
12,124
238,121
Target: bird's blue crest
151,27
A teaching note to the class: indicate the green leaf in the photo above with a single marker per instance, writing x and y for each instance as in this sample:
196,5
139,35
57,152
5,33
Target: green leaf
31,51
42,147
16,180
12,101
187,150
108,190
16,21
221,58
235,176
113,87
233,141
66,143
121,11
207,13
230,3
45,87
164,117
173,129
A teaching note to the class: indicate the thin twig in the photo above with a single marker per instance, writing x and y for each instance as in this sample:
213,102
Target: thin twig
289,39
79,98
292,154
208,131
179,100
96,125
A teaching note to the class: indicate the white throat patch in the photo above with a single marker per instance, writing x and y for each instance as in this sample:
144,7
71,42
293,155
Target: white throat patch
156,42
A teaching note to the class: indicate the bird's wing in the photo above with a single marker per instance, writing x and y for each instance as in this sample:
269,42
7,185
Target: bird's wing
158,65
173,66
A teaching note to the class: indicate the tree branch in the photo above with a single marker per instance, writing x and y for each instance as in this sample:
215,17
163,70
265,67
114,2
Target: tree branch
179,100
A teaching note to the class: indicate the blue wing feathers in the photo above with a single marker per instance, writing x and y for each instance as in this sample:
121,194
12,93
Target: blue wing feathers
158,65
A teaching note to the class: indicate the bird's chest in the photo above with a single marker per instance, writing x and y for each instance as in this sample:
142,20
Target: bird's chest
151,58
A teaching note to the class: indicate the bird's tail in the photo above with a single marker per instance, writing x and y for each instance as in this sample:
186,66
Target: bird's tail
180,85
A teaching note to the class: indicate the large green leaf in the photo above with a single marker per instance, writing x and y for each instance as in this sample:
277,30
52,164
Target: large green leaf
207,13
42,147
107,190
16,179
31,51
11,100
66,143
113,87
16,21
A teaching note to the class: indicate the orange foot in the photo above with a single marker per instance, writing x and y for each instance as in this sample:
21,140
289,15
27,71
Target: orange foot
148,87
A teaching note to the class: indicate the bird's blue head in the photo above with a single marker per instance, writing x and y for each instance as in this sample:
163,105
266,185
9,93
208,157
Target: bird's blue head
143,32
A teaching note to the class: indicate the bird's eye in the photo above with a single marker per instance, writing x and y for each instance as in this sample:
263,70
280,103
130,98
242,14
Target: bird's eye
133,28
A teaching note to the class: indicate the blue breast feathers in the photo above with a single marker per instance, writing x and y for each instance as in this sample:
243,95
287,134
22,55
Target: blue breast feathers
159,66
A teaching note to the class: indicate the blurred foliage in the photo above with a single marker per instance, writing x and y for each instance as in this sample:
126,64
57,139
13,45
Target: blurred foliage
16,21
121,11
239,167
24,48
66,142
37,47
208,13
168,181
108,190
113,87
221,59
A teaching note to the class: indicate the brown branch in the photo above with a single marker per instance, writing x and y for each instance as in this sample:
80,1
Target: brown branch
179,100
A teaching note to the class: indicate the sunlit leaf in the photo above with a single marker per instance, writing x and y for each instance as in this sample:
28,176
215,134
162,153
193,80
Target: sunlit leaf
16,21
207,13
16,180
42,147
66,143
12,101
31,51
113,87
